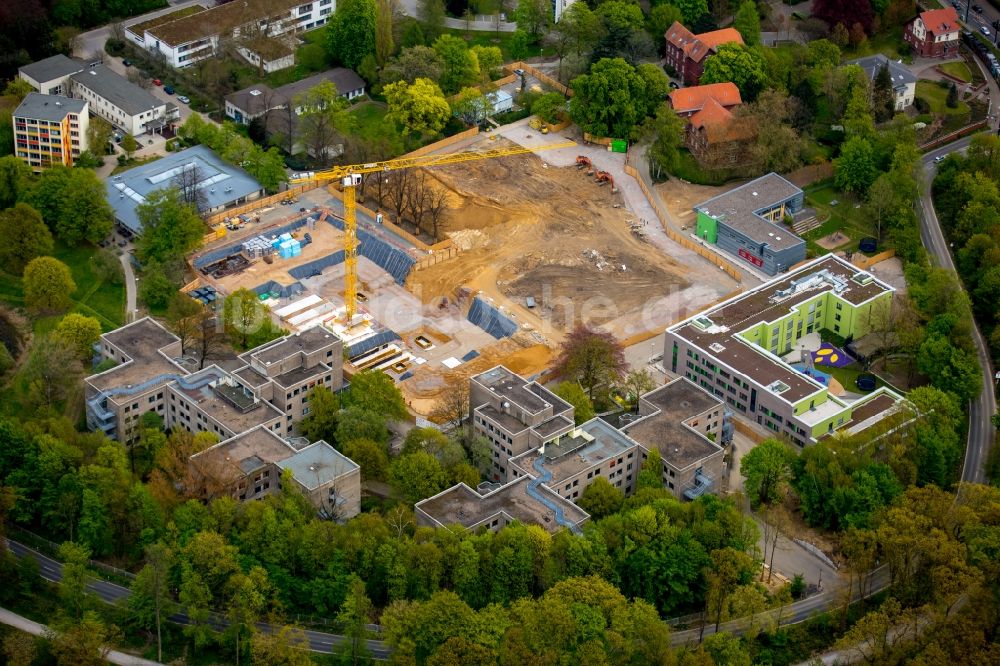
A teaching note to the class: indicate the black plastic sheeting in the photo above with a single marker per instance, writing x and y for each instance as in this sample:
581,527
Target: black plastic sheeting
471,355
294,289
314,268
488,318
374,342
393,261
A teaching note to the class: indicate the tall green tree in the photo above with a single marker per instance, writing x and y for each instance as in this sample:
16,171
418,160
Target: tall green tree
766,468
171,227
667,131
354,617
151,592
459,65
420,108
573,393
417,475
73,584
385,45
251,593
747,22
81,332
323,120
48,284
350,34
742,65
15,178
601,499
375,392
609,101
855,168
431,14
533,17
321,421
72,202
26,237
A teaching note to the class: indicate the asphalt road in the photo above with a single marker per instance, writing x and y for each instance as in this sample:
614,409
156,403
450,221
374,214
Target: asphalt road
111,593
982,409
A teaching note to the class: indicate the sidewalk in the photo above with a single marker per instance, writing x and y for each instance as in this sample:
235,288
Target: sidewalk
29,626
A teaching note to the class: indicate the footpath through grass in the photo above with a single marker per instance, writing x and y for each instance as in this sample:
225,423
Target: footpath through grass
93,297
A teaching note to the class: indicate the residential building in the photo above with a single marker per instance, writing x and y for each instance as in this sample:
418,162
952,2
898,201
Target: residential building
494,508
51,75
904,83
515,416
190,39
543,463
687,102
559,7
50,129
250,103
737,349
687,52
267,387
121,102
713,134
220,185
746,222
934,33
249,466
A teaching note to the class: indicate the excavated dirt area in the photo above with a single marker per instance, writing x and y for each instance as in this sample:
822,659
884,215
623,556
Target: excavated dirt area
529,229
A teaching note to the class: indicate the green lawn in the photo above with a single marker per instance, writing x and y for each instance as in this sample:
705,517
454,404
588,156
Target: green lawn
937,97
480,38
957,69
843,217
889,43
93,297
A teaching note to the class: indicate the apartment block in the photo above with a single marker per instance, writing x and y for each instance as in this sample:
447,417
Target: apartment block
251,405
268,387
249,466
544,462
50,129
189,39
121,102
736,349
515,415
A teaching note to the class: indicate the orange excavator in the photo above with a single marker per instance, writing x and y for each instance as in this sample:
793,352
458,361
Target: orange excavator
602,177
584,161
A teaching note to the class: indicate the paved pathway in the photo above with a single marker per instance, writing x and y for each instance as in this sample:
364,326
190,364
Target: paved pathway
131,287
30,626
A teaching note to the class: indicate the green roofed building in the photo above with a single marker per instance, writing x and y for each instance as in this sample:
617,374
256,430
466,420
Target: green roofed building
737,350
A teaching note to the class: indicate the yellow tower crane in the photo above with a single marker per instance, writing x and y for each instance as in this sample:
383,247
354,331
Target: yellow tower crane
350,177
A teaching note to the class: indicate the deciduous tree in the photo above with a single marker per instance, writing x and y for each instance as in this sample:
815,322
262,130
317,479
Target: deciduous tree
48,285
766,468
420,108
25,237
72,202
171,227
747,22
592,358
601,498
855,168
573,393
80,332
323,120
417,475
416,62
742,65
350,33
459,66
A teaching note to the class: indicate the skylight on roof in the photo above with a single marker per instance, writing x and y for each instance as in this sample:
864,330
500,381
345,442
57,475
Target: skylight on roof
254,92
778,387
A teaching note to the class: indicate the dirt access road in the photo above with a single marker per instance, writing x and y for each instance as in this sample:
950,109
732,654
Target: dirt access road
537,226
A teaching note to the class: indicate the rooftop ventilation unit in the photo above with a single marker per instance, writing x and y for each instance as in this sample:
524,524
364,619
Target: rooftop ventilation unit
778,387
716,347
254,92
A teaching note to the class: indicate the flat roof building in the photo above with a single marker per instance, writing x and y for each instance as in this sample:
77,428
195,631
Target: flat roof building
735,350
250,411
746,223
221,185
121,102
545,462
50,129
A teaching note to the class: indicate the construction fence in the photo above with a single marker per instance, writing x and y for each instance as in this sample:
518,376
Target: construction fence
436,257
680,239
957,134
443,143
864,263
541,76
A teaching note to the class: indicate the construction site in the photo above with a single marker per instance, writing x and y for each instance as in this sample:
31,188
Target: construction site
529,246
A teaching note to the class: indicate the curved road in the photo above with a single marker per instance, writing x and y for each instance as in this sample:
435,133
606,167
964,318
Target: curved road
981,409
110,593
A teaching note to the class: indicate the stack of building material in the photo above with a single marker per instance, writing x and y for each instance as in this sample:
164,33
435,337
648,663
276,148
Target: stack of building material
257,247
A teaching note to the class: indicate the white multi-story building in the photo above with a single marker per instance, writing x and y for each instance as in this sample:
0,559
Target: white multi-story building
189,39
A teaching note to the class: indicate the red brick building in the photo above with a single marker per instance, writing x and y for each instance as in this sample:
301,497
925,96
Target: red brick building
686,52
934,34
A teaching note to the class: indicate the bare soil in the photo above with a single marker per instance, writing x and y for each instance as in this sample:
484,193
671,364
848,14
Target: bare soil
834,240
528,229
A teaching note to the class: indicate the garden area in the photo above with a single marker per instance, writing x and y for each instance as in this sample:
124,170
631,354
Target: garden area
844,221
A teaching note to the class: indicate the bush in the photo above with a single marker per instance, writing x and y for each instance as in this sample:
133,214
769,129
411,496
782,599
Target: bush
114,47
155,289
798,586
921,105
106,266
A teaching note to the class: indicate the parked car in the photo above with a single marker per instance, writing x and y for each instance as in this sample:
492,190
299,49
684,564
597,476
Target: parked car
184,98
157,82
986,31
939,159
996,24
126,62
977,8
168,89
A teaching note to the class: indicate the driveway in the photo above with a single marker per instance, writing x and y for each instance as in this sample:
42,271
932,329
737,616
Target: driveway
92,42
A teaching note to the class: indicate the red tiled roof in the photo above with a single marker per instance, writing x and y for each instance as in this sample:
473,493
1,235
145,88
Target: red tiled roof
725,94
708,42
940,20
678,35
711,113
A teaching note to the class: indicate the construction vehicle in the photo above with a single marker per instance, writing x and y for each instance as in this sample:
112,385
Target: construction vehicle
350,177
602,177
584,161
